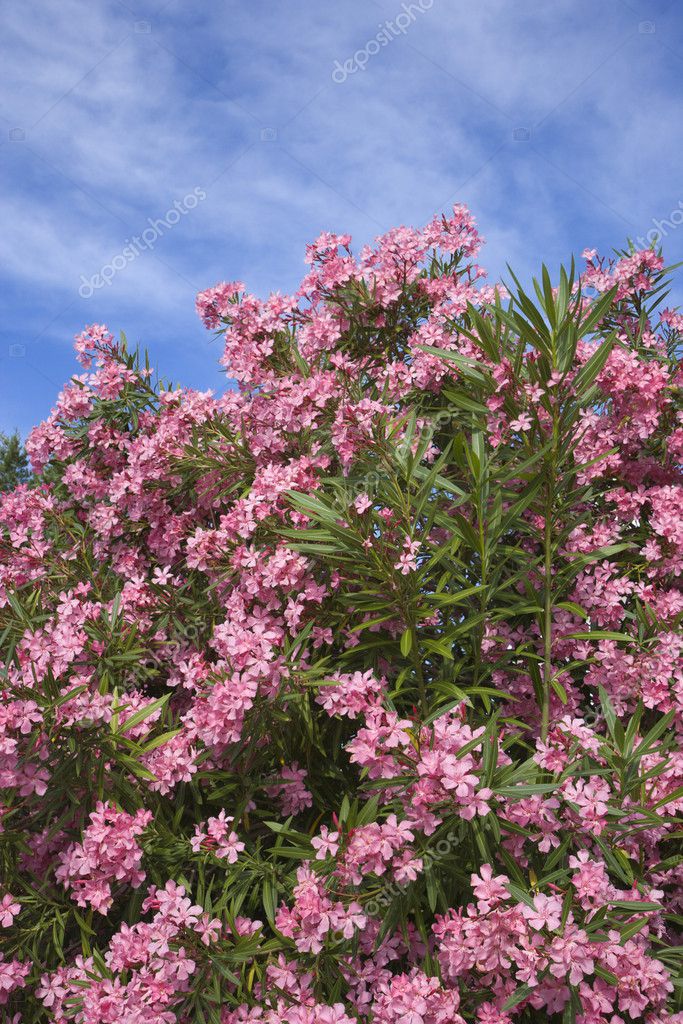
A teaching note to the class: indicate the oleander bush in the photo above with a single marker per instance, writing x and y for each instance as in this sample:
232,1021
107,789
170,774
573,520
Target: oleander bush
356,692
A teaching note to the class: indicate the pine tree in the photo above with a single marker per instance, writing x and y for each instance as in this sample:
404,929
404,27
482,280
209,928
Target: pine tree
14,468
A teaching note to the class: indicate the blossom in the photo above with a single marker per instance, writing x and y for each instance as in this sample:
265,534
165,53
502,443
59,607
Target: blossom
521,423
108,854
326,844
362,503
545,913
291,792
489,889
218,838
9,908
407,562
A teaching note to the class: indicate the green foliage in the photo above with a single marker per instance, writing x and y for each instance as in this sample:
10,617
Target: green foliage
14,469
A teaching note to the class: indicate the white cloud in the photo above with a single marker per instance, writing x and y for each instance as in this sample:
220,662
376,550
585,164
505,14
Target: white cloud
120,123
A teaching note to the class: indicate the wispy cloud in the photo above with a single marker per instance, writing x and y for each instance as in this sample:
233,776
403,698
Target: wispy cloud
558,124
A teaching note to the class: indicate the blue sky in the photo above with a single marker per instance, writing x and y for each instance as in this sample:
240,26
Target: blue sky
559,124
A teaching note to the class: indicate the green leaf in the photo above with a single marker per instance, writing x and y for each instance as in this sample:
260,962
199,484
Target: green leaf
519,792
141,715
633,928
599,634
608,710
634,905
269,896
559,690
518,996
606,975
596,313
470,368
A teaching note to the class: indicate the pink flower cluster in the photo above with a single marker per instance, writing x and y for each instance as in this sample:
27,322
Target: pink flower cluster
218,838
538,945
446,767
152,957
108,854
315,916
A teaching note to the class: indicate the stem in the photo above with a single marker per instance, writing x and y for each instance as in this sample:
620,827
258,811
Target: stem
547,621
417,665
479,638
547,585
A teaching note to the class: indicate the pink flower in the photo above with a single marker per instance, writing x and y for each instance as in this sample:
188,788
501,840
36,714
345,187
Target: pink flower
545,913
201,549
326,844
12,975
490,890
407,562
522,423
292,794
9,908
362,503
218,838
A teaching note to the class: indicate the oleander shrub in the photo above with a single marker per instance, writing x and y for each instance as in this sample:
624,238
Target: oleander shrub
355,693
